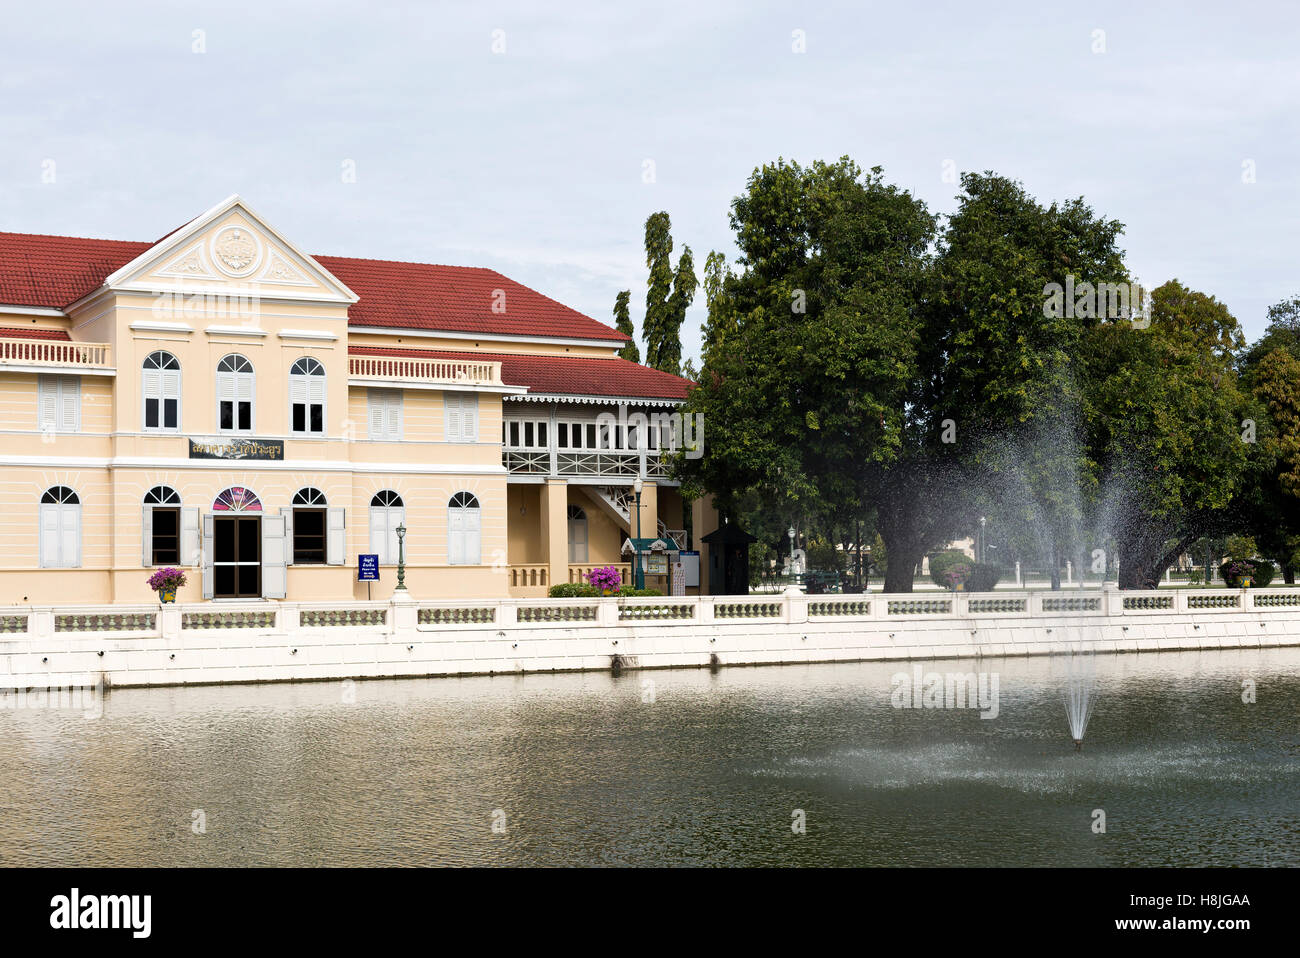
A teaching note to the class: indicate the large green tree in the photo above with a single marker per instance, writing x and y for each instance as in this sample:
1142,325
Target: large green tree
811,347
1165,418
669,293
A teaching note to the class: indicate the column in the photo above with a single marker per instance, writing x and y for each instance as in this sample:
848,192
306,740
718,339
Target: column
555,529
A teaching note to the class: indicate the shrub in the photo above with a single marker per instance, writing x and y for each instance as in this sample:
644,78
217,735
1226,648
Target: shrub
631,593
1260,571
983,577
573,590
941,562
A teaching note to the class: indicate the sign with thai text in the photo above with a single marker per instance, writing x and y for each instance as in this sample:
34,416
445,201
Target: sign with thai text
236,448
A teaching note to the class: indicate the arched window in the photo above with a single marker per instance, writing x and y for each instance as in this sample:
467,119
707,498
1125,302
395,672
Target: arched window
386,513
161,527
577,534
160,385
463,525
234,394
307,397
60,526
309,522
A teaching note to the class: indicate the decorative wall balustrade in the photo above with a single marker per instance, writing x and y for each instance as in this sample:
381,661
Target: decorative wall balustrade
334,618
471,616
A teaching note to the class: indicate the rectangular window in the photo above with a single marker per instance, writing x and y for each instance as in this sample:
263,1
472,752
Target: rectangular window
59,403
166,545
384,414
309,536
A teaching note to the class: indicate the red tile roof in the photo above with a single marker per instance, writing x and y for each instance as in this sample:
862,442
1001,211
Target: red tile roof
33,332
561,375
56,271
456,299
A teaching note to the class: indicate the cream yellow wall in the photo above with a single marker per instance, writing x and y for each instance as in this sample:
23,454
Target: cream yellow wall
523,521
21,488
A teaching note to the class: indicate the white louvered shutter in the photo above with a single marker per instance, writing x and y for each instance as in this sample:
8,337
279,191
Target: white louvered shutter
454,419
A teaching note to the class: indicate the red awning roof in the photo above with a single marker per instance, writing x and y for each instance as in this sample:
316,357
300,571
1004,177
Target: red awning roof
33,332
56,271
561,375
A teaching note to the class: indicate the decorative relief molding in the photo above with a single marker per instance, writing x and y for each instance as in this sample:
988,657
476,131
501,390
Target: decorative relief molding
237,250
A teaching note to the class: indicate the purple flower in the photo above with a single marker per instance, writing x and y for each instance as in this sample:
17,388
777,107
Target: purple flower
606,578
167,579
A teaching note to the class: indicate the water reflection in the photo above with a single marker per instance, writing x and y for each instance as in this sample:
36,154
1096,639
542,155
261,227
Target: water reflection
696,768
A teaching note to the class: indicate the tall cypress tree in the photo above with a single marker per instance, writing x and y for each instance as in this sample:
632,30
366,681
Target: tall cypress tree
658,257
684,285
623,323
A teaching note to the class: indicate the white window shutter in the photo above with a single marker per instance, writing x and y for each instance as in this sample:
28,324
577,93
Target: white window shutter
69,535
375,413
274,576
472,551
49,520
455,536
70,402
377,534
469,418
396,517
316,388
393,415
146,536
47,415
452,404
190,554
287,513
298,388
226,386
206,559
335,535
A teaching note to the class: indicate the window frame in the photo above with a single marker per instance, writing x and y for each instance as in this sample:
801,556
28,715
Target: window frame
308,378
251,373
162,396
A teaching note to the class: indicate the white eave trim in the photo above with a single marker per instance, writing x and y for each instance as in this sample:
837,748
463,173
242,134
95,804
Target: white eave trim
234,331
33,311
306,334
365,381
357,330
58,371
598,400
157,326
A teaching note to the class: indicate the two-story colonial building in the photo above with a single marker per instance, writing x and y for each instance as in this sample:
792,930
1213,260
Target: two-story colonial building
222,401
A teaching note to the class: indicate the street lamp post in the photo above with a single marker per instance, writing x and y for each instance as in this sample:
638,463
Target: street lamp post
794,570
637,486
401,557
982,534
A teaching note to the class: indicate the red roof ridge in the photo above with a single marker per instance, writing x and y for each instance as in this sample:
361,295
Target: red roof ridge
84,239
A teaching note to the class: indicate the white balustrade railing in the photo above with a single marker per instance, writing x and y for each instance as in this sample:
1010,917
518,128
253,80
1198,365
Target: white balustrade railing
421,370
55,353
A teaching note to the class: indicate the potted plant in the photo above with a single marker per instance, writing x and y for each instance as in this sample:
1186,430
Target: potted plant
166,581
606,578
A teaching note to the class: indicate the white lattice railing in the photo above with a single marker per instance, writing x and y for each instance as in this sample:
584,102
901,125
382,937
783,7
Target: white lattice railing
55,353
418,370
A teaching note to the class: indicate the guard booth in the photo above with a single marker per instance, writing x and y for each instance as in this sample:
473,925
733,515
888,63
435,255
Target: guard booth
728,559
657,557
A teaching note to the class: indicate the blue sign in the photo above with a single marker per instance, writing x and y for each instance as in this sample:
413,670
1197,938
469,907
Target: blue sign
367,568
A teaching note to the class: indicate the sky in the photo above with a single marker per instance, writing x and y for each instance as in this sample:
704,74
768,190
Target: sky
535,139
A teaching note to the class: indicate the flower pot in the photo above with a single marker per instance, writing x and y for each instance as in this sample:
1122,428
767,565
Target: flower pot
167,595
1245,582
959,587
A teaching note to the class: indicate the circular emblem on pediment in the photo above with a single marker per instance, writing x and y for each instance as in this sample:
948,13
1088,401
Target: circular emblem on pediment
236,250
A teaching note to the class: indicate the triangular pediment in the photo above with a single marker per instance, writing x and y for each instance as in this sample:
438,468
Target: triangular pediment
227,249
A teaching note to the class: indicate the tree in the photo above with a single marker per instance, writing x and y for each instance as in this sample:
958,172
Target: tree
1164,419
1270,507
821,327
1000,363
685,284
658,257
623,323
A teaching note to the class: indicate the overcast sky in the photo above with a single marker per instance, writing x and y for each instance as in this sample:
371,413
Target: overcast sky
531,161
